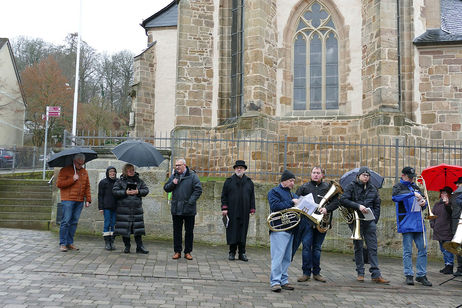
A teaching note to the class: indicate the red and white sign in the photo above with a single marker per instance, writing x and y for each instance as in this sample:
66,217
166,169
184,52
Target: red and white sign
54,111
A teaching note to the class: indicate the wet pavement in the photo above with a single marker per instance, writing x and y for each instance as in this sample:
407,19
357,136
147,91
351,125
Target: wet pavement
34,273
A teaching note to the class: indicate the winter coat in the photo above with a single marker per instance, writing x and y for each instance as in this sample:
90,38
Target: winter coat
280,198
74,190
185,193
238,198
356,194
106,200
456,206
441,225
319,190
129,211
407,220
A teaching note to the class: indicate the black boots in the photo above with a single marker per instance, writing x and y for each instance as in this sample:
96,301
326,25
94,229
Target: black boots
139,245
107,242
127,244
448,269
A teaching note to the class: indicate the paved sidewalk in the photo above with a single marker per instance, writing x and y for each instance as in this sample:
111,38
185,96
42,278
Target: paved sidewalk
33,273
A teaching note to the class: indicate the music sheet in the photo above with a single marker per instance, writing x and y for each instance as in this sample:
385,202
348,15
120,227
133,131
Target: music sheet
307,204
369,215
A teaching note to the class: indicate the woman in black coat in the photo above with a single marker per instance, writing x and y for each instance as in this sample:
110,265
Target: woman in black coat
107,206
128,191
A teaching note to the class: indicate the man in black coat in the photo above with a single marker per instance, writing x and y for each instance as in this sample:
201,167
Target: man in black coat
307,233
456,206
186,188
107,206
237,202
360,195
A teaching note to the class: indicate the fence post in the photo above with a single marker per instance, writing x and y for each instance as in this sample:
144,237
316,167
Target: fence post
397,159
285,152
172,149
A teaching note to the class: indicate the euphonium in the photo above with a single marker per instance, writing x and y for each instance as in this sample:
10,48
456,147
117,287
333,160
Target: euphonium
455,245
429,215
334,189
284,220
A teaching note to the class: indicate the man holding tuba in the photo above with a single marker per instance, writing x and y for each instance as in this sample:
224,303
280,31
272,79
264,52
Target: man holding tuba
360,195
307,233
281,198
456,206
409,203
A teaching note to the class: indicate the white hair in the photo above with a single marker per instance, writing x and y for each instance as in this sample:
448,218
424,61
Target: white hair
79,157
182,160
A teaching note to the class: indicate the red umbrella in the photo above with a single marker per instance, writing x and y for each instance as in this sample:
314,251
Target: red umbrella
437,177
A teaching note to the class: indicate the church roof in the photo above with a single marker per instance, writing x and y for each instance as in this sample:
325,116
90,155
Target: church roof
166,17
451,26
451,20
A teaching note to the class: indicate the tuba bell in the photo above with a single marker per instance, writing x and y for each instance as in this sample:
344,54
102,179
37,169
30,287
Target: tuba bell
455,245
334,190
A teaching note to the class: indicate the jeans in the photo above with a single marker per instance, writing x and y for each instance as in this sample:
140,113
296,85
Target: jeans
421,264
188,233
369,234
447,256
281,255
312,241
109,222
69,221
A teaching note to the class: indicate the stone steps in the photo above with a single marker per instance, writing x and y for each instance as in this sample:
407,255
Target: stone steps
25,204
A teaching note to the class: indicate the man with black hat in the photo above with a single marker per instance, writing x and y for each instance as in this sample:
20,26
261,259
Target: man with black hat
361,196
410,203
456,205
237,202
281,198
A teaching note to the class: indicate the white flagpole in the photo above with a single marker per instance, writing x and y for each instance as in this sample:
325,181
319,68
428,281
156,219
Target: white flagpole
76,88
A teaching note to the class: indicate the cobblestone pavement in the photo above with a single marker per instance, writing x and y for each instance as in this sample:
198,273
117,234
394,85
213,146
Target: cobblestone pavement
33,273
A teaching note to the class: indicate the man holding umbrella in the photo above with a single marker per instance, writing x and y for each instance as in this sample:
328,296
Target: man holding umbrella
74,184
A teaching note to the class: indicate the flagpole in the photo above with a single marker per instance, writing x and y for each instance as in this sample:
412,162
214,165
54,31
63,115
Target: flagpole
76,87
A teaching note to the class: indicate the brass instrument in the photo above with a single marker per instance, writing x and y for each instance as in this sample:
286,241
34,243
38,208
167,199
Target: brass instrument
284,220
334,190
455,245
357,229
352,217
429,215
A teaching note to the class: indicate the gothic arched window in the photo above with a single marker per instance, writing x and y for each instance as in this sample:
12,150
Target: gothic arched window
315,46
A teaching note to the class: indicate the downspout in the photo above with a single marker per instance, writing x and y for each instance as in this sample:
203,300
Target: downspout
398,33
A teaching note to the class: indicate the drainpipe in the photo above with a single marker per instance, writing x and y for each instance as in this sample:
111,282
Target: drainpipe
399,53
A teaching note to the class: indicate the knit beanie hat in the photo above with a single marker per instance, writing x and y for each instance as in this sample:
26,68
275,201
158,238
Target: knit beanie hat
286,175
364,170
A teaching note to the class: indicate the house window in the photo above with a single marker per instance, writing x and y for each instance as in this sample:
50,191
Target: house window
315,54
237,41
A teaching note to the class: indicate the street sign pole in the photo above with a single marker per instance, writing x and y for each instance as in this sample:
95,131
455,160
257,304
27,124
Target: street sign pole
45,145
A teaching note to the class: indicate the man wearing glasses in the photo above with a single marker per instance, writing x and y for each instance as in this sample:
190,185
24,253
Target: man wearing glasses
75,192
186,188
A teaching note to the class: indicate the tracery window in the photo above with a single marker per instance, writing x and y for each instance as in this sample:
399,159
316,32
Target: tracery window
315,71
237,30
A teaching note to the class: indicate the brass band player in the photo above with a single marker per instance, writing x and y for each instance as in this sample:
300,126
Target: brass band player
360,195
409,202
307,233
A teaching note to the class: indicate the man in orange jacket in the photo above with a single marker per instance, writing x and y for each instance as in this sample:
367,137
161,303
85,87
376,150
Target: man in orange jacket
74,184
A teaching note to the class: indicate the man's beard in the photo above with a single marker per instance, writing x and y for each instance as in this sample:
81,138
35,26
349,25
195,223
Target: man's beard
239,174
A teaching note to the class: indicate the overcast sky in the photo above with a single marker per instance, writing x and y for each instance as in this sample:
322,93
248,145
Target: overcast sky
107,25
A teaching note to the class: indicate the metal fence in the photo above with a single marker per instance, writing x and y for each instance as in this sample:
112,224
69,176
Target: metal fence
214,156
16,158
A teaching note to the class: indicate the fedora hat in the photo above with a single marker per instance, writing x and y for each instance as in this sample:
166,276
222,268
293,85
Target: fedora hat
239,163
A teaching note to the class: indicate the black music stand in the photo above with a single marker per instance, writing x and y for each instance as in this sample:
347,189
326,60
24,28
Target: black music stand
450,279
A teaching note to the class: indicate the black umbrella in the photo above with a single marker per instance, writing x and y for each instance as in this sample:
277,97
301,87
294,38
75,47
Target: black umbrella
65,157
138,153
349,176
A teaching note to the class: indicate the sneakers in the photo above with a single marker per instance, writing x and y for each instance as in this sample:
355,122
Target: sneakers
423,280
303,278
360,278
188,256
72,247
380,280
176,256
287,286
63,248
447,270
276,288
458,273
410,280
319,277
